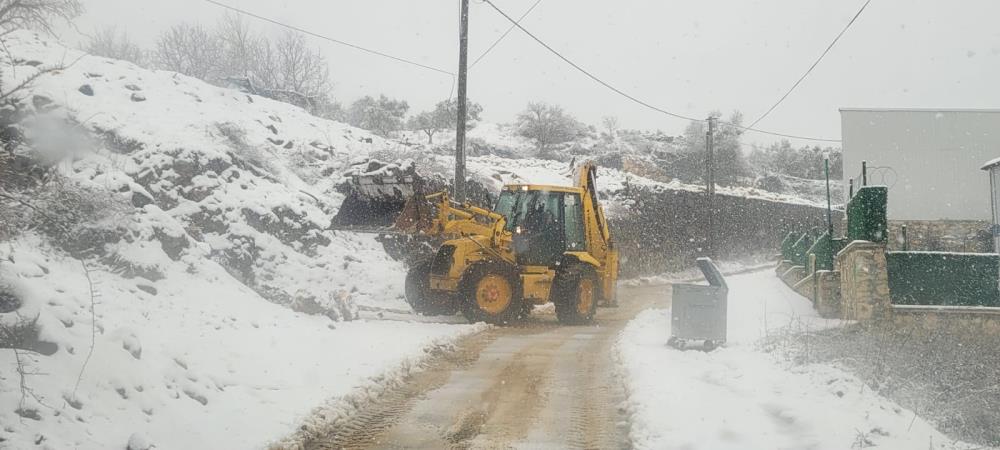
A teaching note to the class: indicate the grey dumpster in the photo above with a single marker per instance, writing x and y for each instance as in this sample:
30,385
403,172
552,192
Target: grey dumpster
698,312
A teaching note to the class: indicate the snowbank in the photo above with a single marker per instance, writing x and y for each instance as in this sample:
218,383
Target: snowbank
738,397
194,360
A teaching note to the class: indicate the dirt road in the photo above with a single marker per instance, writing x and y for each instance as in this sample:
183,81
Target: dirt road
537,385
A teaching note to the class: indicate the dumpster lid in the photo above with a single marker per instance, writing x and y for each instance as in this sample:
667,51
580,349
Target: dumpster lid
711,273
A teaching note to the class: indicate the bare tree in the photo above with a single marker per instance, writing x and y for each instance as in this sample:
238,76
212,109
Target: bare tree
108,43
20,14
300,69
245,54
547,125
191,50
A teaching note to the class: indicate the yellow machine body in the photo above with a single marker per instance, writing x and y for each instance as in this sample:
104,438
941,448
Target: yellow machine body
476,237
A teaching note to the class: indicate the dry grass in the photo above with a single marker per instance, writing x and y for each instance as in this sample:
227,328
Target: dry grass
947,377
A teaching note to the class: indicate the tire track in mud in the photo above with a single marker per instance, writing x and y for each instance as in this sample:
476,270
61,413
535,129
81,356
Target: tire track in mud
362,430
536,385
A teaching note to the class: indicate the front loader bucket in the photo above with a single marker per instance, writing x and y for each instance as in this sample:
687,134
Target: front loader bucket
376,195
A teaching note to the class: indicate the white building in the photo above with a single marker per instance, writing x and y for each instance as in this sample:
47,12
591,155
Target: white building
935,156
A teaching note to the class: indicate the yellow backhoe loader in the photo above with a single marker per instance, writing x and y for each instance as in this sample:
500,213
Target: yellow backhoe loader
539,244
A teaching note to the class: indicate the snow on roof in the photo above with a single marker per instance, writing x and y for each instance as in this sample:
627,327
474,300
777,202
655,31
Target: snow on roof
924,110
989,164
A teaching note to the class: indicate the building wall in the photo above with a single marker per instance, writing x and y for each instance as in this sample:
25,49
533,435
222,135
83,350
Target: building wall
936,156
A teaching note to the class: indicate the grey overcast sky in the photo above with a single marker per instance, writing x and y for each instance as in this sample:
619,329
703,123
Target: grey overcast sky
691,57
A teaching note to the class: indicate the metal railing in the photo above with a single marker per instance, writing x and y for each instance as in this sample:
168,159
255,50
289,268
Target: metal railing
872,176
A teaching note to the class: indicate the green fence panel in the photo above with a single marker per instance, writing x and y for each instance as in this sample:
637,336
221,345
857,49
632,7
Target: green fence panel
939,278
799,249
786,245
823,249
866,215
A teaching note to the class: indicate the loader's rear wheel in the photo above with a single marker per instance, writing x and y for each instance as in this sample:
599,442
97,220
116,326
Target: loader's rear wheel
491,292
419,295
575,292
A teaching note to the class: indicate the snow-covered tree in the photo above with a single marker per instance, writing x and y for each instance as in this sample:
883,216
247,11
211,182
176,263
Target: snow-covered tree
109,43
547,125
729,162
426,122
444,117
802,162
382,116
611,126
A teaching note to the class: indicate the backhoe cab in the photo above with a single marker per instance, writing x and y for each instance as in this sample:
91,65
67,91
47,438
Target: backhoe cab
539,244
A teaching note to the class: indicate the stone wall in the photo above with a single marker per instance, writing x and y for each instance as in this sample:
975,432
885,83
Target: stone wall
665,229
864,281
966,236
969,321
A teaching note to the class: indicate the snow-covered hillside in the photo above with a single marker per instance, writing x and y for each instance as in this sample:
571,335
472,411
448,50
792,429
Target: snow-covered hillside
204,293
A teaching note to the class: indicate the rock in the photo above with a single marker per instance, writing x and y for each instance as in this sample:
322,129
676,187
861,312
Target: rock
132,345
28,413
72,401
146,288
139,441
137,97
8,302
139,200
40,102
87,90
132,87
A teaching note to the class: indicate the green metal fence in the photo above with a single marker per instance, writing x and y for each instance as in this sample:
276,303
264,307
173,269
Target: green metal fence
866,215
786,245
825,249
800,249
939,278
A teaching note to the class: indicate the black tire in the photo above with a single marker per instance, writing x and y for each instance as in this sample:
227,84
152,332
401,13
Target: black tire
483,294
569,292
419,296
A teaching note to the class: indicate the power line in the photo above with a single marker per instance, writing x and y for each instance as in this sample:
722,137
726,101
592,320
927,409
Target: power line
814,64
505,33
634,99
327,38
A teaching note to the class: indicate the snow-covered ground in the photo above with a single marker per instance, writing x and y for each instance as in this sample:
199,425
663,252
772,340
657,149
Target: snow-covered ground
194,360
738,397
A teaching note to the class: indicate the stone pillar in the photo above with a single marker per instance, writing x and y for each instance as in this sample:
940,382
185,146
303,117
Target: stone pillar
827,293
864,281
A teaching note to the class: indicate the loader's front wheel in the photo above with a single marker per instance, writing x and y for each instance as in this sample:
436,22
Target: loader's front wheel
419,295
575,292
491,292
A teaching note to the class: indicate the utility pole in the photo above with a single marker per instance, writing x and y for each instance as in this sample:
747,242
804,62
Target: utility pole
710,186
829,208
463,59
